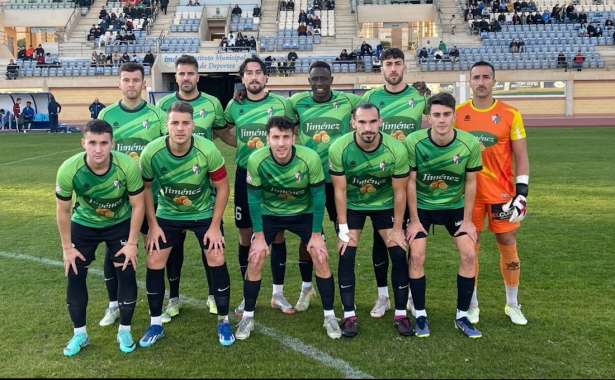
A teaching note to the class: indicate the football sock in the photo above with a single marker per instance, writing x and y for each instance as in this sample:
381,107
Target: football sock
127,293
278,262
207,273
77,296
174,266
326,288
417,288
110,279
511,295
221,282
380,260
509,264
250,294
154,285
243,259
399,276
465,286
346,278
306,265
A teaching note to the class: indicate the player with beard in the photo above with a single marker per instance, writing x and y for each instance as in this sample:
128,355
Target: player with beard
249,120
402,108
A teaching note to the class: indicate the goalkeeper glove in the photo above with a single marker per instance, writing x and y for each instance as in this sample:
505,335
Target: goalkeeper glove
518,204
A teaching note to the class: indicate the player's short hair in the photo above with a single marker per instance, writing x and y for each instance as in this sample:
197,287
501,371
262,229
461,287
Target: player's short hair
392,53
244,65
18,99
186,59
98,127
131,67
283,123
443,99
181,106
365,106
483,63
322,64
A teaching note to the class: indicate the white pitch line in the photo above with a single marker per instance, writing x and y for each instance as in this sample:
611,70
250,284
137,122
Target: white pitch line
295,344
37,157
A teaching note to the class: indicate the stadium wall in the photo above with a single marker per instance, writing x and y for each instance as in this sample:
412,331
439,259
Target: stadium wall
583,104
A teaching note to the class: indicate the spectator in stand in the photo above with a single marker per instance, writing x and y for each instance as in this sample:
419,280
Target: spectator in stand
189,3
148,59
523,18
92,33
318,4
109,60
569,9
509,18
573,17
453,24
290,6
252,43
231,40
442,46
343,55
582,30
423,56
517,6
103,13
598,32
236,11
516,20
130,38
546,17
591,30
93,58
438,54
125,58
560,16
135,58
561,61
40,60
366,49
353,57
317,24
119,39
608,24
196,3
521,46
577,61
524,6
302,30
292,55
302,16
330,5
21,53
531,6
512,47
30,53
164,4
12,70
429,47
454,54
583,17
116,58
256,12
502,18
100,61
495,26
484,12
510,7
282,5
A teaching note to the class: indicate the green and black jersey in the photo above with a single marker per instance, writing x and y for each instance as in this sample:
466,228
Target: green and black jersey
441,170
369,175
294,188
100,200
249,120
321,123
186,182
401,112
208,112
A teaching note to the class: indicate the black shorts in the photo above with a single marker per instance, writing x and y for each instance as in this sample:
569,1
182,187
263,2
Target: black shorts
381,219
451,219
86,240
300,225
145,225
330,202
242,210
173,231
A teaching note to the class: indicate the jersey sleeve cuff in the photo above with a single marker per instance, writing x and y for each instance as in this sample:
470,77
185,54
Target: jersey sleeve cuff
403,175
331,172
147,179
254,187
136,192
220,127
414,168
476,169
321,183
63,198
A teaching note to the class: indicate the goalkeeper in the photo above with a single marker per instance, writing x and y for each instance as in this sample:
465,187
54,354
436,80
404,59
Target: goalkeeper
502,190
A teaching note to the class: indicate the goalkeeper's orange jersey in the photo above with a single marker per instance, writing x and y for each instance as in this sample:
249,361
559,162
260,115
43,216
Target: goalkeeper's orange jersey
495,128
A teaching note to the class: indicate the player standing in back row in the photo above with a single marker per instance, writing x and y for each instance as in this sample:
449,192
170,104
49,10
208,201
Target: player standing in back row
500,131
209,123
135,124
249,120
402,108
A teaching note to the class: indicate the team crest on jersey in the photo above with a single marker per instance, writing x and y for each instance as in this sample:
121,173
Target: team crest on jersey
58,188
330,165
196,169
383,166
411,103
336,105
202,113
270,111
456,159
249,178
117,183
145,124
496,118
298,175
